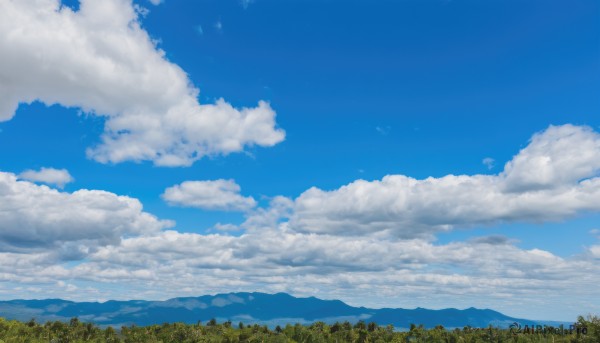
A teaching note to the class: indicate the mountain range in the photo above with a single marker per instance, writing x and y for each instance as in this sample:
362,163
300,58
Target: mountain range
249,308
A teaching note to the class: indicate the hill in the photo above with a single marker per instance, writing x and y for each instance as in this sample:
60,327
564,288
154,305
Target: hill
250,308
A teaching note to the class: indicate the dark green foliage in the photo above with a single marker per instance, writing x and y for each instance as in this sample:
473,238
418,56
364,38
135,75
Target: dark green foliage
76,331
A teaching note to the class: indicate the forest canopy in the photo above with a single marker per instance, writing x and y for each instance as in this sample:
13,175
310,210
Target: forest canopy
585,330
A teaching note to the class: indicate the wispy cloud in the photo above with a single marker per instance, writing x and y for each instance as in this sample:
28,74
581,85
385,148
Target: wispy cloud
489,162
383,130
246,3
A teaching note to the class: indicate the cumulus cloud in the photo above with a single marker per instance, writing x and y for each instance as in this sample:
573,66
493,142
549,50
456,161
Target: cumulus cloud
554,177
99,59
34,217
280,250
365,243
51,176
561,156
355,269
595,251
222,195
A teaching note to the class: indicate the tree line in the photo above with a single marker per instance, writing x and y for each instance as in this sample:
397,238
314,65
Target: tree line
319,332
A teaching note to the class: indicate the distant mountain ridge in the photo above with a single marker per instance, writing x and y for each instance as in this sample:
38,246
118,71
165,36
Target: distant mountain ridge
250,308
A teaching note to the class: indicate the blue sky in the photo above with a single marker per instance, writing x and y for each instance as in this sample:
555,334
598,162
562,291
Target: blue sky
157,105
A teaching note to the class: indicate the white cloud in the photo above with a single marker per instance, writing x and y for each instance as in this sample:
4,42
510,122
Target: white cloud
155,2
370,245
34,217
279,259
101,60
51,176
246,3
595,251
226,227
554,177
383,130
219,25
223,195
558,157
489,162
280,208
141,10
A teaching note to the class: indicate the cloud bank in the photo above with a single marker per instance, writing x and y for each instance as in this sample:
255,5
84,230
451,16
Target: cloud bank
101,60
553,178
34,217
367,242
